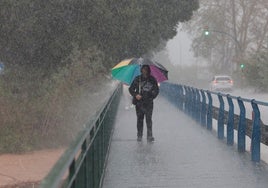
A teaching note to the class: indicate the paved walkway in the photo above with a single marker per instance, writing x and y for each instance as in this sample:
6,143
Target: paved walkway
183,155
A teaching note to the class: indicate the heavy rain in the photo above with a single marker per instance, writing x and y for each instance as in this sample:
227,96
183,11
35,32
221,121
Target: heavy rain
133,94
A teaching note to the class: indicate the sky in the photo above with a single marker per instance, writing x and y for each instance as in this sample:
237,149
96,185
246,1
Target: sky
179,49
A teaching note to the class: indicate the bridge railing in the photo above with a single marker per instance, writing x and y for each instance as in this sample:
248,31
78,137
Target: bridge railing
82,165
200,105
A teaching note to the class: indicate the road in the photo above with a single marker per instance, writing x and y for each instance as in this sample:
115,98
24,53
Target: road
249,94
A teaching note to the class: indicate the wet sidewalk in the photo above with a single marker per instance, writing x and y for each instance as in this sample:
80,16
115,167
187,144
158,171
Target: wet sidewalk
183,155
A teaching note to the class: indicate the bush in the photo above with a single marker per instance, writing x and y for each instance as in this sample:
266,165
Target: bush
256,71
47,111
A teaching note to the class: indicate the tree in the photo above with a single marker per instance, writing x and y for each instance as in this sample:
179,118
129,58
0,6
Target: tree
55,52
237,28
256,70
43,33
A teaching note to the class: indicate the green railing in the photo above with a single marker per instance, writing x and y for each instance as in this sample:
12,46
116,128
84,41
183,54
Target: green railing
83,163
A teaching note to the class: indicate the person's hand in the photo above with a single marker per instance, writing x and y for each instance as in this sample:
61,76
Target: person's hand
138,97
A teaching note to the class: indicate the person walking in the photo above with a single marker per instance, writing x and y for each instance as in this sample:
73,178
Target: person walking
144,90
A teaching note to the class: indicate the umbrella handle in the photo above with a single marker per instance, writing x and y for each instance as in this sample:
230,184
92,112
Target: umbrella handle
140,80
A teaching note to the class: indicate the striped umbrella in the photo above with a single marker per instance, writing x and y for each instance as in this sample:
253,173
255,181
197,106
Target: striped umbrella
128,69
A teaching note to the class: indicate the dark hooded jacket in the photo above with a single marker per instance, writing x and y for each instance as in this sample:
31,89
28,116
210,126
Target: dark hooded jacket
149,89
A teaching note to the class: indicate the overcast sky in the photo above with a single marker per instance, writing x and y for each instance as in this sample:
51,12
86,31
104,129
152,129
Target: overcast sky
179,49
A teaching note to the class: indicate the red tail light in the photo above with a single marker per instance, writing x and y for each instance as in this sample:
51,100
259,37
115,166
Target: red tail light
215,81
231,81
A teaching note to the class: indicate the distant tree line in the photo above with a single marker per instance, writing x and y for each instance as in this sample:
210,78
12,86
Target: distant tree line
238,34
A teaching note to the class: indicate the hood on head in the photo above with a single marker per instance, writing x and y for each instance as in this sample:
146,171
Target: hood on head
146,67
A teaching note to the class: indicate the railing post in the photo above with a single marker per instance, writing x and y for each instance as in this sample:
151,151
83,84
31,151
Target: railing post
186,99
96,161
241,140
209,111
221,118
194,104
203,108
256,133
83,168
173,94
90,165
183,98
179,96
230,123
191,105
71,173
190,101
194,107
198,106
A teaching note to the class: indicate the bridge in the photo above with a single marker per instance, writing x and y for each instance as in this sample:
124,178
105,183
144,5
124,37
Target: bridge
203,139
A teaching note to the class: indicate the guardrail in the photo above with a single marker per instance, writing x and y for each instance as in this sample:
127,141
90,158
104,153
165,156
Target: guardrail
198,104
83,163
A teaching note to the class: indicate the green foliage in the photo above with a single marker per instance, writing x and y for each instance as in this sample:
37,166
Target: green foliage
41,33
56,53
37,112
256,71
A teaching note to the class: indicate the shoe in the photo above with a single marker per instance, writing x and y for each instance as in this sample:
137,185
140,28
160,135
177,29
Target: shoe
150,139
139,139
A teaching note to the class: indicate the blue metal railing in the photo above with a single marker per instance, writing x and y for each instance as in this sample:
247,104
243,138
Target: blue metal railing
199,105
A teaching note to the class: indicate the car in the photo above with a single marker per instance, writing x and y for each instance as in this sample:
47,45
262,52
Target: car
221,83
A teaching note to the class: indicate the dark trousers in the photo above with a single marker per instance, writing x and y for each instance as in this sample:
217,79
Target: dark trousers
147,111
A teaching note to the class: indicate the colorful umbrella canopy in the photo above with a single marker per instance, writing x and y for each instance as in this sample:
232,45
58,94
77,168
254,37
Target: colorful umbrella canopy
128,69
